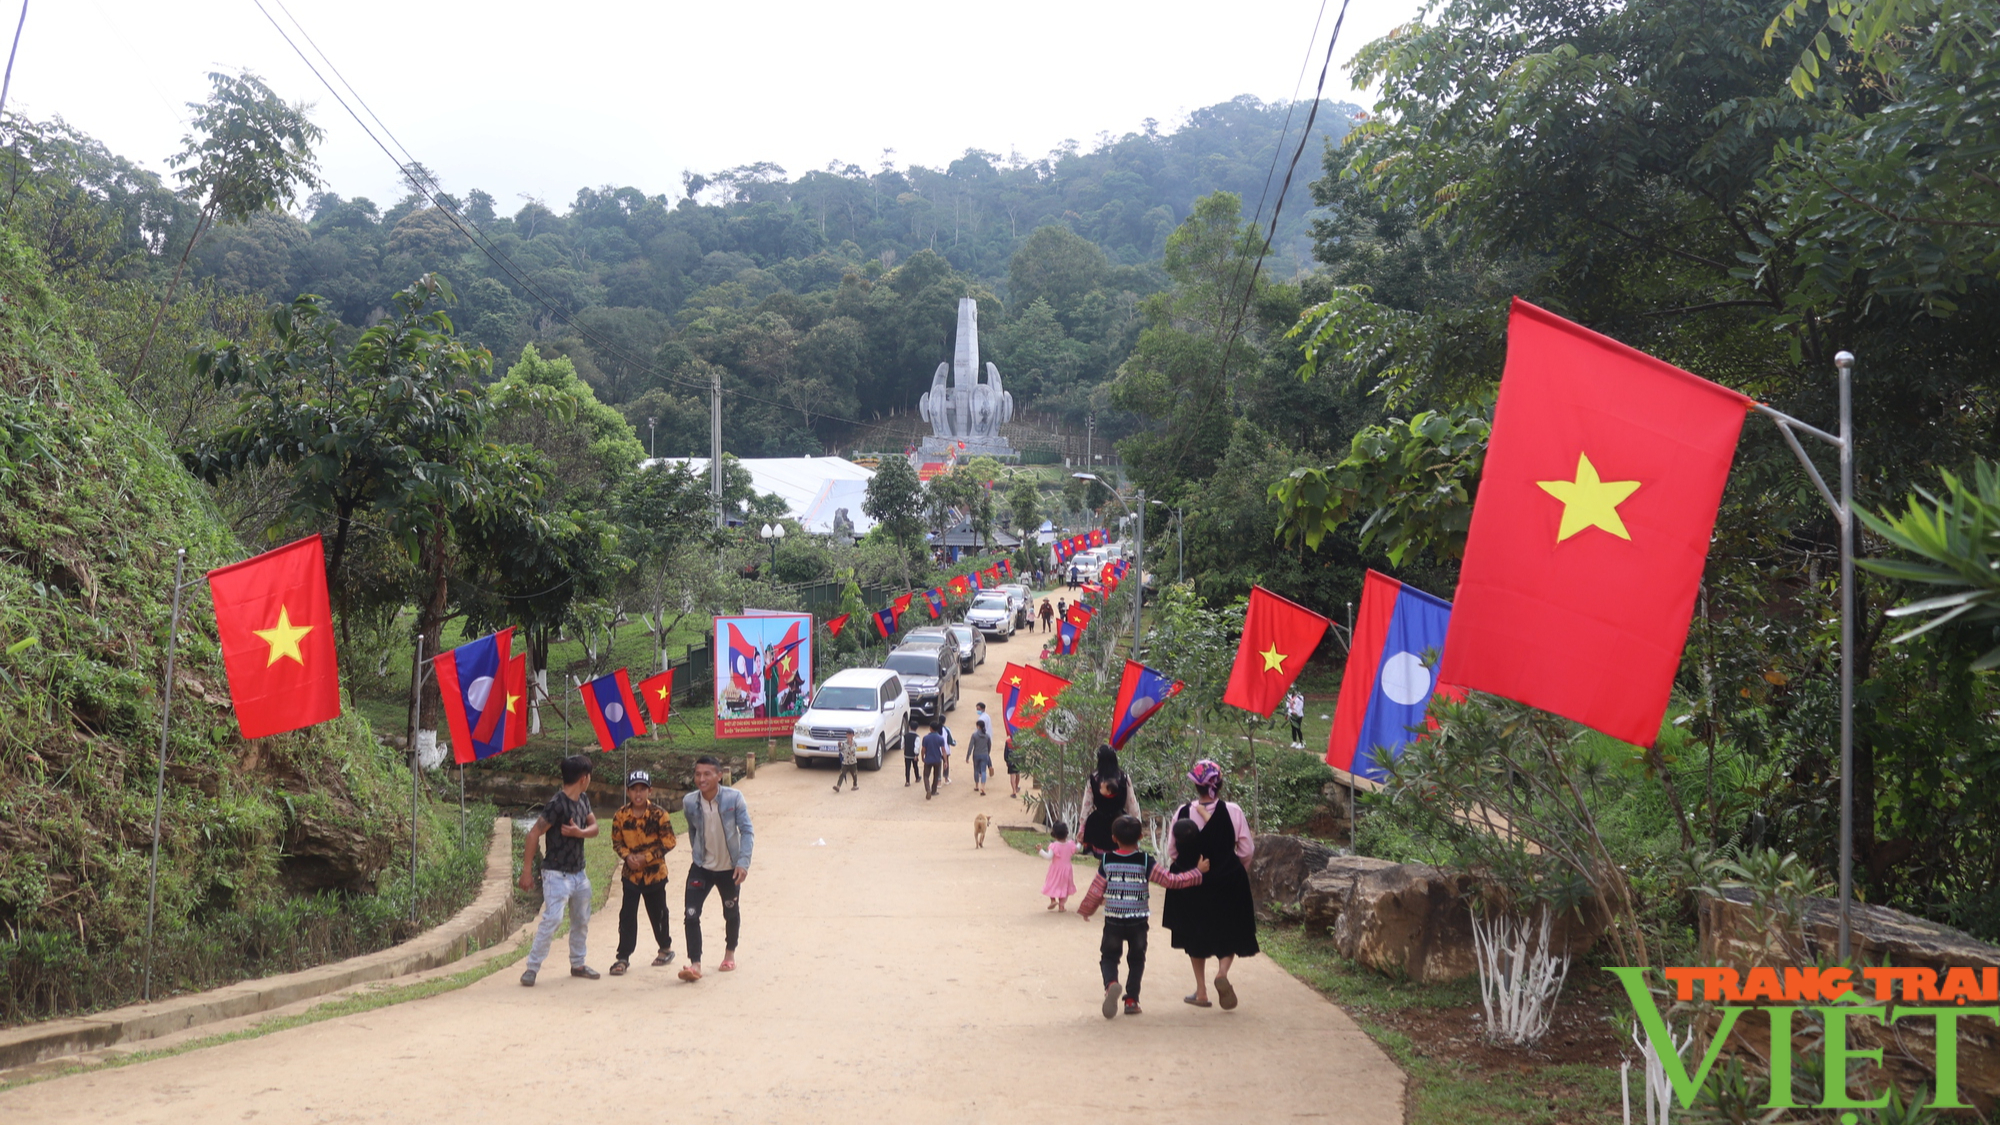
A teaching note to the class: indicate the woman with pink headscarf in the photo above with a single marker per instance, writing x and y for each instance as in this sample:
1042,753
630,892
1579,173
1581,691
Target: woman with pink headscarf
1216,918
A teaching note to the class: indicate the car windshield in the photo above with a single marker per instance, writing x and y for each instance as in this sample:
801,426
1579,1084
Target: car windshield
990,601
964,633
831,698
912,663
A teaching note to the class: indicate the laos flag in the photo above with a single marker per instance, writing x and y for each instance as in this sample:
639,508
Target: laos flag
471,680
936,598
1141,693
1391,676
885,622
612,709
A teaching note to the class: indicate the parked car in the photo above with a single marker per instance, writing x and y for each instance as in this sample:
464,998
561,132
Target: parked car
992,613
870,703
930,674
928,635
1024,602
971,646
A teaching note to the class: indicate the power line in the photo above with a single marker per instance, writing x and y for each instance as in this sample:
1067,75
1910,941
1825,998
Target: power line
427,186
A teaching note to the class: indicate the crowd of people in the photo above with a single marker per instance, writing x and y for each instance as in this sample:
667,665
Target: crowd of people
1207,910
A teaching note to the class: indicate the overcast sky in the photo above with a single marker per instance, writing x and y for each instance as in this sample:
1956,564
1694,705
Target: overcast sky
540,99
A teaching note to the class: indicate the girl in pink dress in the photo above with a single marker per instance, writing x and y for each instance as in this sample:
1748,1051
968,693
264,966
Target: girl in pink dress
1061,881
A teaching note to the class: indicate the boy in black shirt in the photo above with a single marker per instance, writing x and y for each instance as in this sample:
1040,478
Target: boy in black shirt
566,822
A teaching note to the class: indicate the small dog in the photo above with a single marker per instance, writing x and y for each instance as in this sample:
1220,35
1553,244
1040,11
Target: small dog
979,824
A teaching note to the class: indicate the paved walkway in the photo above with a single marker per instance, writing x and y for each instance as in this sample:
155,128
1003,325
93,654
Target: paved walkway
889,973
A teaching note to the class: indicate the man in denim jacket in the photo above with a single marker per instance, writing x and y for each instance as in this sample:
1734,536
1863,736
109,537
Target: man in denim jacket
720,839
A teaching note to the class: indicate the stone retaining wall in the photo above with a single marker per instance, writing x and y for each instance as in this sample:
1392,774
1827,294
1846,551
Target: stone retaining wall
474,928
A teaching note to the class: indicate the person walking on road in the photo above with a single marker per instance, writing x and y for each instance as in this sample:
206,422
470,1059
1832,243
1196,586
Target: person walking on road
1110,796
719,844
1120,886
913,770
1295,710
642,835
1074,575
1060,882
1221,920
1013,768
849,760
1048,616
981,745
566,822
935,754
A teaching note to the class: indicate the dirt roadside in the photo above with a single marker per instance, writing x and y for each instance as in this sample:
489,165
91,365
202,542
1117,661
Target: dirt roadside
889,971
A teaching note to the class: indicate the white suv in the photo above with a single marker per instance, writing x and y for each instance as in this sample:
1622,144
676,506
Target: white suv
992,613
869,703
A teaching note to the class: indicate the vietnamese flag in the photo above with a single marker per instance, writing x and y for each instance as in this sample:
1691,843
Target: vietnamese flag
657,693
1026,694
834,626
515,684
960,586
902,604
1595,506
275,625
1278,636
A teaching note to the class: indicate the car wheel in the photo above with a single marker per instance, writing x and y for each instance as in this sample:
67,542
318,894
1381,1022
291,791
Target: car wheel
802,762
880,751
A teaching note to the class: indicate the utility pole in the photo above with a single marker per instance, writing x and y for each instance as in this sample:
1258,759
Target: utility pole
1139,566
1089,441
715,443
652,438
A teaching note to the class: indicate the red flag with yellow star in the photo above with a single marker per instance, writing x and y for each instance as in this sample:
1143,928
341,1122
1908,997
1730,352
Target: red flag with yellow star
1026,694
1278,635
275,625
1599,492
657,693
515,684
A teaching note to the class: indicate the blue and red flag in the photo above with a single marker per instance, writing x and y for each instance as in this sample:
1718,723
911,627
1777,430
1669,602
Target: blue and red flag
885,621
1007,567
1141,693
743,669
1067,635
470,678
612,709
936,598
1388,685
976,583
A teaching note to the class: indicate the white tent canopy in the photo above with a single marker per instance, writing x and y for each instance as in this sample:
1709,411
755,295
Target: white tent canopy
811,487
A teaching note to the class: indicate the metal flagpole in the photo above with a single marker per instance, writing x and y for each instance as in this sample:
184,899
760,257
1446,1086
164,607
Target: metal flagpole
160,778
461,799
1843,514
416,767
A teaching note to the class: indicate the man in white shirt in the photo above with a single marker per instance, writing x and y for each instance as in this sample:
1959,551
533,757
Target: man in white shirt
720,840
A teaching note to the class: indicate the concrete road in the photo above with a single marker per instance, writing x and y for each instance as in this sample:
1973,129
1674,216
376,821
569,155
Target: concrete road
889,973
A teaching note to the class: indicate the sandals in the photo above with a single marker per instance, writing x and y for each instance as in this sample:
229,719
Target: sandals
618,967
1227,993
1197,1002
689,973
728,965
666,958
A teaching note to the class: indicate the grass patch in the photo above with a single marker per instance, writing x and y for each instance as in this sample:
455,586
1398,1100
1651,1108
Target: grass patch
1031,841
1455,1078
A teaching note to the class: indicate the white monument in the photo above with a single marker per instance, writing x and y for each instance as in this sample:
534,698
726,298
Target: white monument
962,409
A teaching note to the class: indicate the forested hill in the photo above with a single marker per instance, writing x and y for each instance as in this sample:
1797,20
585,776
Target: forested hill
743,270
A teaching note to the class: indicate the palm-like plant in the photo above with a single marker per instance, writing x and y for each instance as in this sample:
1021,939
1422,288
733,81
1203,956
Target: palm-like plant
1957,534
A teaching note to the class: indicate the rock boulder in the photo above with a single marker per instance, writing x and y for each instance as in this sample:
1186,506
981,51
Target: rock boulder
1279,869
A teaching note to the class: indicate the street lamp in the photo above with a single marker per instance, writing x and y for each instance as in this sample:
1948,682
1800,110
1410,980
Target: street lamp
652,438
1180,541
772,533
1138,511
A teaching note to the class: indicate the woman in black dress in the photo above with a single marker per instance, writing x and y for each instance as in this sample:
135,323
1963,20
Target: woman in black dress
1216,919
1109,797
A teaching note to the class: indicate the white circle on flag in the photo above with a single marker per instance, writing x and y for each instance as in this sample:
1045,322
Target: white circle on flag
477,691
614,712
1405,679
1143,706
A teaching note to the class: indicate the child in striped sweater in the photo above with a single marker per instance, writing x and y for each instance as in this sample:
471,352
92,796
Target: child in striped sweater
1123,875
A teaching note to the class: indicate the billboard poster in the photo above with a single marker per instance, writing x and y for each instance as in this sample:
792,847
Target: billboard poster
763,673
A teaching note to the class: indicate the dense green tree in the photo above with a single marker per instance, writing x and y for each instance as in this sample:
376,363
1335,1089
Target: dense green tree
895,501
